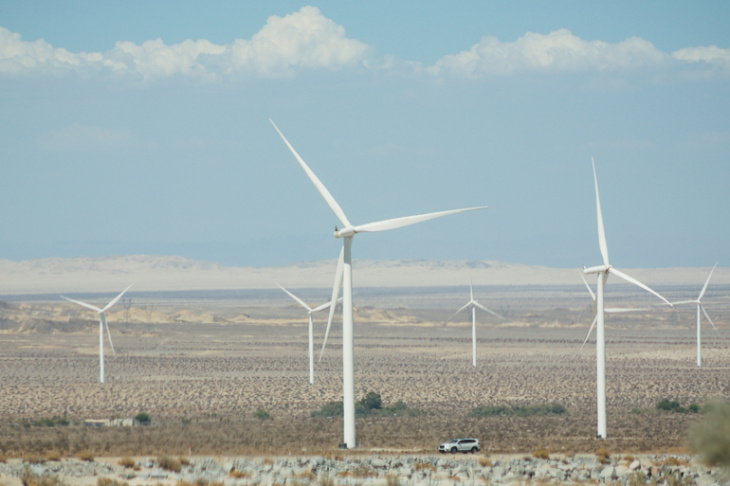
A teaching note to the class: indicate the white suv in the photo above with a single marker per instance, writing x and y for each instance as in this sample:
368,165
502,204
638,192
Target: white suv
460,445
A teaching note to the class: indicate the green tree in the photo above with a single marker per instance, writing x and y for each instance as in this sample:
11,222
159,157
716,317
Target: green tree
143,418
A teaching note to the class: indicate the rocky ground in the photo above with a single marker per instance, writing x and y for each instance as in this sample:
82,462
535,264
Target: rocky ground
375,470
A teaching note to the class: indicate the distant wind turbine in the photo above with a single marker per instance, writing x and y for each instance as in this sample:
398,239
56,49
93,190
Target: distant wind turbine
473,304
310,311
347,233
102,326
700,307
603,271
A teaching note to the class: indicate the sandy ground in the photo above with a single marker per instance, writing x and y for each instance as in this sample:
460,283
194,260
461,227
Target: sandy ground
202,365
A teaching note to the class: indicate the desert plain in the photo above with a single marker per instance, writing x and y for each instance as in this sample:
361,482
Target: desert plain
202,363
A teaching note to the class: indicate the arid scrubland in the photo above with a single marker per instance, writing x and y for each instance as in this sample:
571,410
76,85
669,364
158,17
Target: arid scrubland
202,365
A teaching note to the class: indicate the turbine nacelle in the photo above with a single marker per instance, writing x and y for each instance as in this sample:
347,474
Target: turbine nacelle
596,269
347,232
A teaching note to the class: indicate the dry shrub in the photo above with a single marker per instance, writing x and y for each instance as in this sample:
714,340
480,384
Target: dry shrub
235,473
169,464
127,462
184,460
361,471
53,456
326,480
3,459
29,478
485,462
33,458
392,480
110,482
604,457
541,454
711,436
86,456
308,475
424,465
629,458
675,461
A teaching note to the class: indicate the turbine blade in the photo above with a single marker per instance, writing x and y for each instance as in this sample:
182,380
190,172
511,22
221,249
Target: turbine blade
110,336
335,293
595,318
637,283
685,302
454,314
84,304
708,318
706,282
116,299
315,180
487,310
601,231
321,307
587,286
300,301
390,224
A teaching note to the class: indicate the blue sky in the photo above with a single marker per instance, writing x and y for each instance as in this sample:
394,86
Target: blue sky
142,127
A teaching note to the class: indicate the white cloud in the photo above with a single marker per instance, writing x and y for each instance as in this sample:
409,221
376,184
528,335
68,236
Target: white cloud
21,57
712,55
84,138
305,39
155,59
559,50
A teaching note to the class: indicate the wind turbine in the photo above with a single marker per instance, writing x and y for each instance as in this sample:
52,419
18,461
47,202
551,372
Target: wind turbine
603,272
347,233
698,301
473,304
102,325
310,311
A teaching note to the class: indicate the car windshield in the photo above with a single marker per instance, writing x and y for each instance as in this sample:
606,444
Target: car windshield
454,440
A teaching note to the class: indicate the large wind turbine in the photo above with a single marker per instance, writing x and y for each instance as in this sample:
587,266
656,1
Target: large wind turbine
473,304
347,233
700,307
310,311
102,325
603,272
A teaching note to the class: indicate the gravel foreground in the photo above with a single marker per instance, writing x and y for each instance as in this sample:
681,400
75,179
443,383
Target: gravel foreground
376,470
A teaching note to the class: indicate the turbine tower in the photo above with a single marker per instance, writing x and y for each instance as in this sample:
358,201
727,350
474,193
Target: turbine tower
347,233
102,325
603,272
700,307
473,304
310,311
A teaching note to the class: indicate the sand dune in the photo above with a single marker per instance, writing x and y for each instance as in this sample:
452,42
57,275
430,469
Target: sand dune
174,273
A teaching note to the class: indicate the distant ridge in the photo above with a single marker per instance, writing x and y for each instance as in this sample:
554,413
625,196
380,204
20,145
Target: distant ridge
175,273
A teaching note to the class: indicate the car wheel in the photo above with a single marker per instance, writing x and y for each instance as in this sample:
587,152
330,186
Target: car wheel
453,450
474,450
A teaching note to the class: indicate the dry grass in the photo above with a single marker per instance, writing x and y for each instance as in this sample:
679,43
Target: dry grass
169,464
541,454
603,456
485,461
235,473
127,462
87,456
